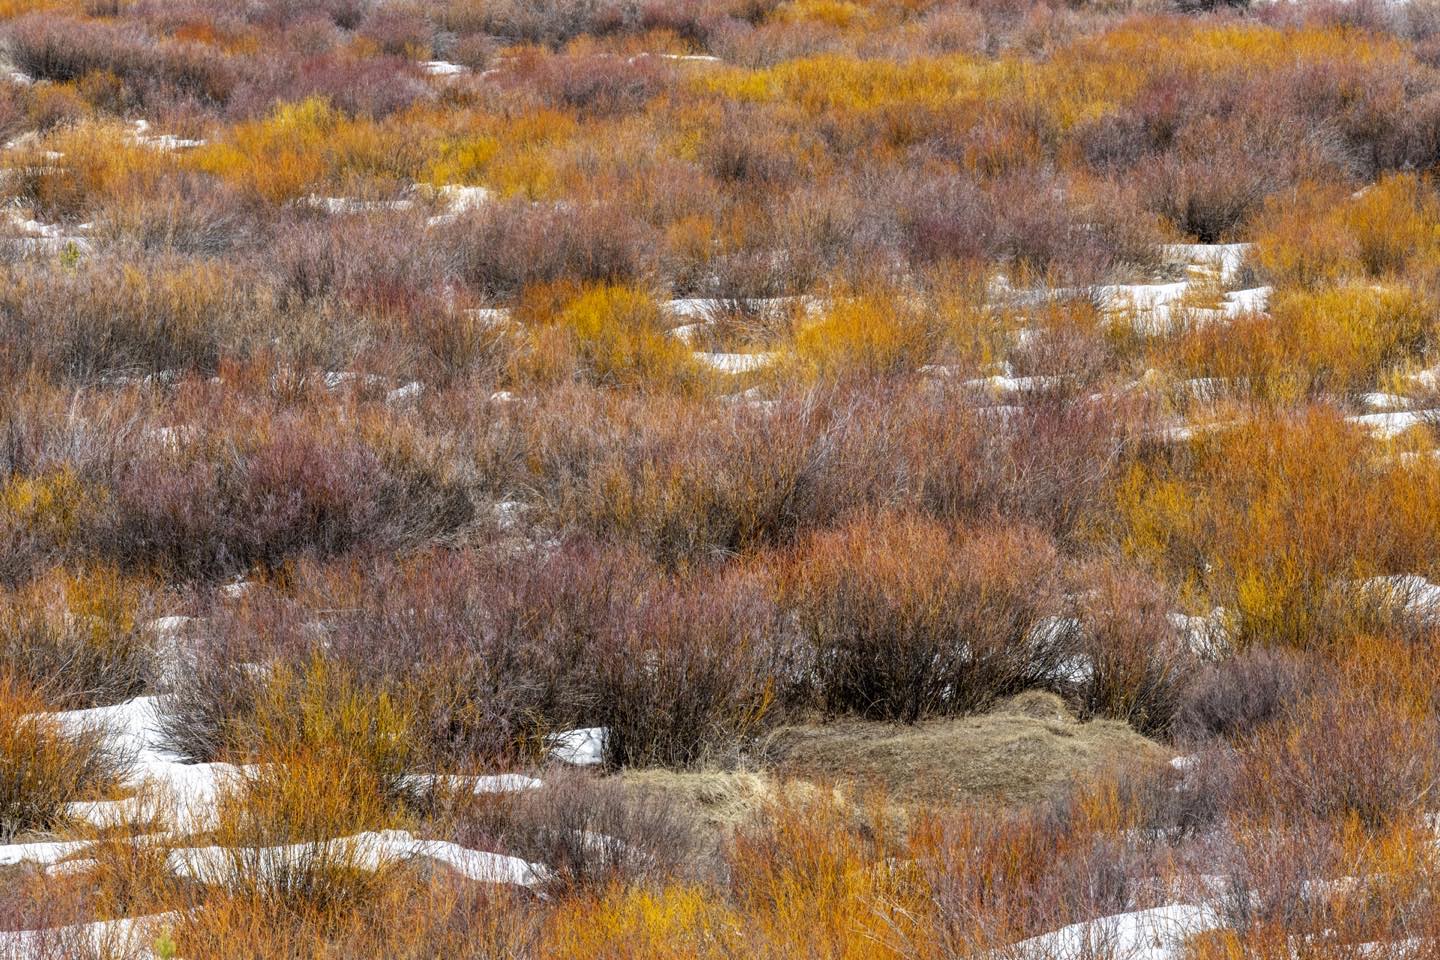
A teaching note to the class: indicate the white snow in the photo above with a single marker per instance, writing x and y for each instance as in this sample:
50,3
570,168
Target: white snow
125,939
1183,433
1221,259
490,783
1388,425
164,141
708,308
1409,592
237,588
584,747
1385,401
1000,385
41,854
463,197
180,795
402,394
1253,300
182,799
1427,379
1206,636
441,68
459,199
335,379
45,238
509,515
1157,307
169,634
687,332
1156,934
373,850
131,727
736,362
493,317
676,57
353,205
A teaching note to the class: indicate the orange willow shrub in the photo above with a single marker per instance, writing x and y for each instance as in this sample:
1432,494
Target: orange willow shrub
79,638
44,766
1319,233
906,619
77,164
409,914
820,877
1272,518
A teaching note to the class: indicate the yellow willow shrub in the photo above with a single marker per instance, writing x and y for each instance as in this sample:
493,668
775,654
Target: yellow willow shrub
1370,892
127,879
310,146
106,605
10,9
1341,753
831,83
231,37
157,315
463,161
618,336
1401,670
836,13
50,507
325,711
1271,517
1336,339
1111,68
299,793
873,333
531,171
514,155
1318,233
1397,869
670,923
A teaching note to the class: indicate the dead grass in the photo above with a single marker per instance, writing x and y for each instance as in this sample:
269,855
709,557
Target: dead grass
716,803
1026,750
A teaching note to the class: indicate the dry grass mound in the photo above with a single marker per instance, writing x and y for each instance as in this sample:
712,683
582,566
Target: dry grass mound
1023,751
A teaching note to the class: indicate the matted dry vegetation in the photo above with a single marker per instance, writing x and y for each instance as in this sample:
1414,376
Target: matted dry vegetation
952,472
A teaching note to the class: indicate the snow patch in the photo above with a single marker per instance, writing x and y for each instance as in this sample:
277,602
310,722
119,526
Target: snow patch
584,747
1222,260
1392,424
374,850
736,363
126,939
1156,934
140,132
